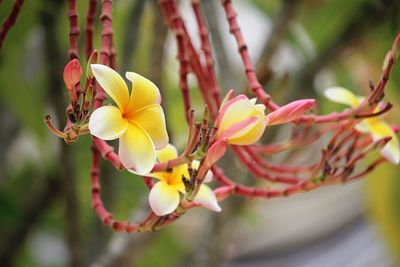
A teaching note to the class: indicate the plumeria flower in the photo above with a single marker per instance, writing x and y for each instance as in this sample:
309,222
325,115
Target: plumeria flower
374,126
241,121
164,197
137,120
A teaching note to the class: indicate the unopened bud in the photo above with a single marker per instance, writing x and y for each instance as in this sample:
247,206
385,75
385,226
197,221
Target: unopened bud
92,60
216,151
72,74
224,192
290,112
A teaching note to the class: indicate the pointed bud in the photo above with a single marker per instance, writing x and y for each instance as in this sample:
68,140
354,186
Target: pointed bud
72,74
92,60
216,151
224,192
290,112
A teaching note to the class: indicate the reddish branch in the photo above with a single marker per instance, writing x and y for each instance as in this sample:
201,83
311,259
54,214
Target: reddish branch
91,13
252,80
205,46
73,30
175,21
10,20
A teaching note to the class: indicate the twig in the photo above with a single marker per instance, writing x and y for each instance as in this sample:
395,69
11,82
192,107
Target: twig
90,27
73,30
10,20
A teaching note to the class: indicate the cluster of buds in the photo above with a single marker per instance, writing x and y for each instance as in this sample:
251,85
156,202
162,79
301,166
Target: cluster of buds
80,101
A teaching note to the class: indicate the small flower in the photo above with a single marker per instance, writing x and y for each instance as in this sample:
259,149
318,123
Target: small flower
240,120
374,126
164,197
138,120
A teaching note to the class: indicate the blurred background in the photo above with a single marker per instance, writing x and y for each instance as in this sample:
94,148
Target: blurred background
300,48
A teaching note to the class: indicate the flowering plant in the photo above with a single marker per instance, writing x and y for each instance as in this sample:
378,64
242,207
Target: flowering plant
137,119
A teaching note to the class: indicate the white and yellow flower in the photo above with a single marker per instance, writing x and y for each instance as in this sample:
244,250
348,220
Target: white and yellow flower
164,197
374,126
138,119
240,120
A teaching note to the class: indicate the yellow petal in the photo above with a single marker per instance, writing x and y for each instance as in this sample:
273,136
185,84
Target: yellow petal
342,95
167,153
112,83
390,151
152,120
136,150
163,199
107,123
251,135
176,176
239,109
206,198
144,92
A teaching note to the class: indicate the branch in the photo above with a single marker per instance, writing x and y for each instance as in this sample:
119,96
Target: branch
91,13
10,20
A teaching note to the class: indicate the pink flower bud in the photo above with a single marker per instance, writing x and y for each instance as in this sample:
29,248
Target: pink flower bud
224,192
240,120
72,74
216,151
289,112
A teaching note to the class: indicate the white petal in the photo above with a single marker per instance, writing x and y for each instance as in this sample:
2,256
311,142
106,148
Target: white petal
206,198
136,150
342,95
107,123
163,199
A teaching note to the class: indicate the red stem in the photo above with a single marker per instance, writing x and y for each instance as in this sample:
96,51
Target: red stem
91,13
252,80
205,46
73,30
10,20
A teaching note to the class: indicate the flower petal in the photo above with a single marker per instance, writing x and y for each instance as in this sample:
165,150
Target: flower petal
239,129
255,132
390,151
152,120
206,198
163,199
235,110
342,95
167,153
136,150
363,126
144,92
107,123
112,83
